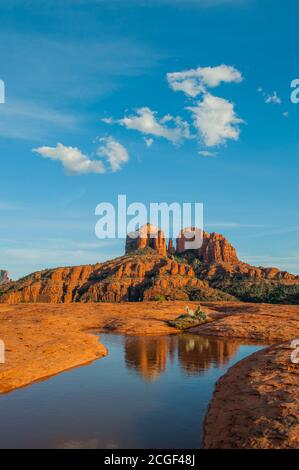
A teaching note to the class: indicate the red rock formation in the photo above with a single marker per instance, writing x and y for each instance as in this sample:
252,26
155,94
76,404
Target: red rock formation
214,247
170,248
148,236
255,405
133,277
189,238
151,274
217,273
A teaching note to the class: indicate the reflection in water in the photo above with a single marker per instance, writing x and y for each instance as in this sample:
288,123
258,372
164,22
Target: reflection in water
196,354
147,355
161,405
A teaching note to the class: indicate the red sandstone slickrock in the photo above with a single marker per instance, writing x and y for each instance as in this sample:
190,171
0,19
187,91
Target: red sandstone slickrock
256,404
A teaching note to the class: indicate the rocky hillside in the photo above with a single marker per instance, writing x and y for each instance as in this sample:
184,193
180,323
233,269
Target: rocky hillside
151,270
142,275
217,263
4,277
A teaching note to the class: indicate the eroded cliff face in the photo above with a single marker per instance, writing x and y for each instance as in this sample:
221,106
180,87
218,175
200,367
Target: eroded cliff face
149,271
218,263
243,271
214,247
133,277
4,277
147,236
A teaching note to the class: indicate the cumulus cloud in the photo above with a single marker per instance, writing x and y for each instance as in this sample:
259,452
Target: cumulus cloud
115,153
146,121
194,82
72,159
215,120
76,162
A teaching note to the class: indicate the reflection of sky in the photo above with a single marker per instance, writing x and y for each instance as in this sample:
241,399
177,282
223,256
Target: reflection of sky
110,405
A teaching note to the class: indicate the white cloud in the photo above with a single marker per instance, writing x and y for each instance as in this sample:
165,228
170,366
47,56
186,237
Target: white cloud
148,142
206,153
285,114
273,99
215,120
145,121
72,159
108,120
195,81
115,153
76,162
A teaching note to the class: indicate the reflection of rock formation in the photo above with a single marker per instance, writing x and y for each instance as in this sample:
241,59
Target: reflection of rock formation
148,356
196,354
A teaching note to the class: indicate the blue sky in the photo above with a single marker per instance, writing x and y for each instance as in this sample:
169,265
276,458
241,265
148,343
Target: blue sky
67,66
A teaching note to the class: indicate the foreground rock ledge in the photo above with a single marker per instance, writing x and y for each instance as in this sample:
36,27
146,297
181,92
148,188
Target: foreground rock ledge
256,404
45,339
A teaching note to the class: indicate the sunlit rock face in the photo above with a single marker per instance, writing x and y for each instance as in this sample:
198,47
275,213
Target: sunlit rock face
132,277
150,270
212,248
148,236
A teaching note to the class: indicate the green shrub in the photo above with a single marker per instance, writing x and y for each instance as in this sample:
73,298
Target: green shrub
263,292
190,319
158,298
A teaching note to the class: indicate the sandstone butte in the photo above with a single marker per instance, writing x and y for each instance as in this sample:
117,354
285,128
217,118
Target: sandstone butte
150,270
